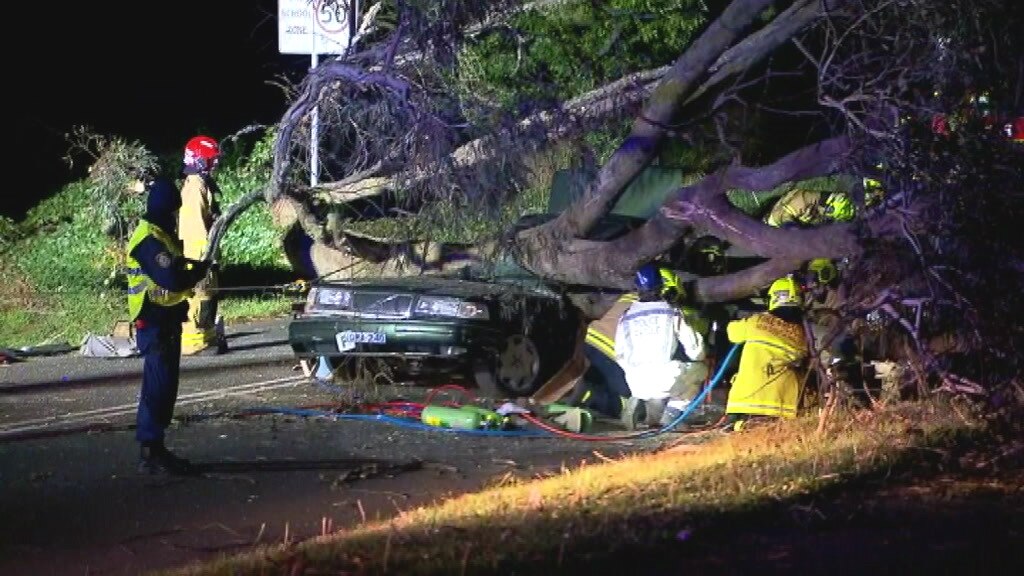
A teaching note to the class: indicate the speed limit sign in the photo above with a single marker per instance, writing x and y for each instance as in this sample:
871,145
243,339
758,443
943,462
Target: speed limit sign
314,26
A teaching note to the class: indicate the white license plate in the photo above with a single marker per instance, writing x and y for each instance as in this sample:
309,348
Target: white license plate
348,339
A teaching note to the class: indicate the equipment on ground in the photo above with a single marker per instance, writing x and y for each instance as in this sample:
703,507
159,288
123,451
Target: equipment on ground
461,417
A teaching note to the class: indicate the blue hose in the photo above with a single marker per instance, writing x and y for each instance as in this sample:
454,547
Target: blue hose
306,412
696,401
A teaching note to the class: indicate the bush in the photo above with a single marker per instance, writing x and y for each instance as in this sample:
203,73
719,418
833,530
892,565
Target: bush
252,240
554,54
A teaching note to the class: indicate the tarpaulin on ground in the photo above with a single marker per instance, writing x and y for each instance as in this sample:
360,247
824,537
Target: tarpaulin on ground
97,346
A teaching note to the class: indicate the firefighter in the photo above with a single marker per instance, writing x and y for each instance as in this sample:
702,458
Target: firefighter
660,352
802,207
769,377
160,279
201,332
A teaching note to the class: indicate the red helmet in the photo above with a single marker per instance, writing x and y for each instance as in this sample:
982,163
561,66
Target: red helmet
202,152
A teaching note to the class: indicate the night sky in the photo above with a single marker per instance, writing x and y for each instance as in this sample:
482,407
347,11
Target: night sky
158,72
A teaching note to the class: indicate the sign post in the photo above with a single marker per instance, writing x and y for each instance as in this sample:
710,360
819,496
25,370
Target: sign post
315,27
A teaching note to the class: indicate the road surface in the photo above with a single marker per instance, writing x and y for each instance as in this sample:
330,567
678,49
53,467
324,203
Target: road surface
73,503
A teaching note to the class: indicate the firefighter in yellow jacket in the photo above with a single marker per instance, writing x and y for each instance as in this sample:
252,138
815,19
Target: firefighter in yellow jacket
774,347
199,208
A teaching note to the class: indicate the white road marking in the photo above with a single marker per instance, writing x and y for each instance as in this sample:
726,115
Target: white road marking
124,409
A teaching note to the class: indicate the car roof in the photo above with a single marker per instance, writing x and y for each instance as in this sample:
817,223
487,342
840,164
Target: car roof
451,285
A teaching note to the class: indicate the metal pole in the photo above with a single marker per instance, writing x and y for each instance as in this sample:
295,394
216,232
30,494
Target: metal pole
314,130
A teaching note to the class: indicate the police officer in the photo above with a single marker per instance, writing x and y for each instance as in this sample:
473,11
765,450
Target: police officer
160,279
660,351
199,208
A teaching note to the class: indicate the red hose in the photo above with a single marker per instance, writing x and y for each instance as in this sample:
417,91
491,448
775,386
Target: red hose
601,438
466,394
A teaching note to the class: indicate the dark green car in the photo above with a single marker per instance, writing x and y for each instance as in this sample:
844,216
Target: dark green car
509,336
508,332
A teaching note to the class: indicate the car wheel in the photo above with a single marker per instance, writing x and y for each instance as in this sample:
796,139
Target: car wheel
514,370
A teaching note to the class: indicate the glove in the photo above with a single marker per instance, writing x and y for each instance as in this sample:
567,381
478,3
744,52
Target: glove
300,286
198,268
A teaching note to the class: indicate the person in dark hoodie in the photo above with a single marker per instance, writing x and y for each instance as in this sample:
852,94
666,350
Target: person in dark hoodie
160,281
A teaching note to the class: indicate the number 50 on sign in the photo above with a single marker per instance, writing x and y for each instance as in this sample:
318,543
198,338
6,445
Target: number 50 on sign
314,26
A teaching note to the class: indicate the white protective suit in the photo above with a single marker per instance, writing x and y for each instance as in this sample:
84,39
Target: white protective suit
645,346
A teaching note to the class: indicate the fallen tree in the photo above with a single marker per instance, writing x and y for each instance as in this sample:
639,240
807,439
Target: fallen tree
872,74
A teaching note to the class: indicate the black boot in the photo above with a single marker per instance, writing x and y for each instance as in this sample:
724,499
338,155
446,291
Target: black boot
155,458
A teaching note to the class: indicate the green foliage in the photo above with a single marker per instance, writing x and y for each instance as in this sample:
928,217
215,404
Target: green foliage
547,54
115,175
455,220
9,233
67,252
252,240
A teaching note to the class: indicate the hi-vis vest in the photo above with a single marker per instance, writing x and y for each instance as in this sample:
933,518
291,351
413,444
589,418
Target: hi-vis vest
601,332
141,286
767,382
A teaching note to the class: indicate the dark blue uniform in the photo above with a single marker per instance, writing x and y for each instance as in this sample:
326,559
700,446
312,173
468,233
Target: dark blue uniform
158,328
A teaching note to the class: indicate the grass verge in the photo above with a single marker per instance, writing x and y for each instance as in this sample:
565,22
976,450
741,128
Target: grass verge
639,512
29,317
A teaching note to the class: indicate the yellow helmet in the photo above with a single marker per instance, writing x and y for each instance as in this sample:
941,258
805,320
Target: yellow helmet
823,269
839,207
671,285
783,292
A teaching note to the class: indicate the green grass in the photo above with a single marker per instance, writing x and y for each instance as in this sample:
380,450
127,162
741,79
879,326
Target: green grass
57,319
625,508
241,308
29,317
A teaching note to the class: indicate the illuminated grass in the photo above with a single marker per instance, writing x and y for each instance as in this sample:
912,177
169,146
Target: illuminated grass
597,511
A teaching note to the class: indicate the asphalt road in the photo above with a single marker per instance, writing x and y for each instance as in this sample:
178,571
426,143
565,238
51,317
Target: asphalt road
73,503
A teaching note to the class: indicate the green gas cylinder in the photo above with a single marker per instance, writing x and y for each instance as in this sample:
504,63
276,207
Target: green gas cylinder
451,417
488,418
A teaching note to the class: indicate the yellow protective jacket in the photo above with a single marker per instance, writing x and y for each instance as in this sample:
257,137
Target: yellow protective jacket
198,211
768,381
799,206
140,286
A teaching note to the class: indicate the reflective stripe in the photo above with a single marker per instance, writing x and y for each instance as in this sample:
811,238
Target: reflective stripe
604,344
794,354
761,409
140,287
657,312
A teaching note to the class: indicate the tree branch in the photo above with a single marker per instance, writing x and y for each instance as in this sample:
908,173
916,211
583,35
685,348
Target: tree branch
649,128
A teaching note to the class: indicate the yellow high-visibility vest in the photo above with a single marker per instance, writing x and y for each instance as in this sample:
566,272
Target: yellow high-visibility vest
141,286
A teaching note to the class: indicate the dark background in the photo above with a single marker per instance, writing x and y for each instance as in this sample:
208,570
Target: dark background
157,72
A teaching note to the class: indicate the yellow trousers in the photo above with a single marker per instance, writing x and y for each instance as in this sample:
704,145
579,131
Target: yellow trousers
199,331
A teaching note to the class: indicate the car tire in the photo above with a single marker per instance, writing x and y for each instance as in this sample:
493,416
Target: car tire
514,370
523,363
